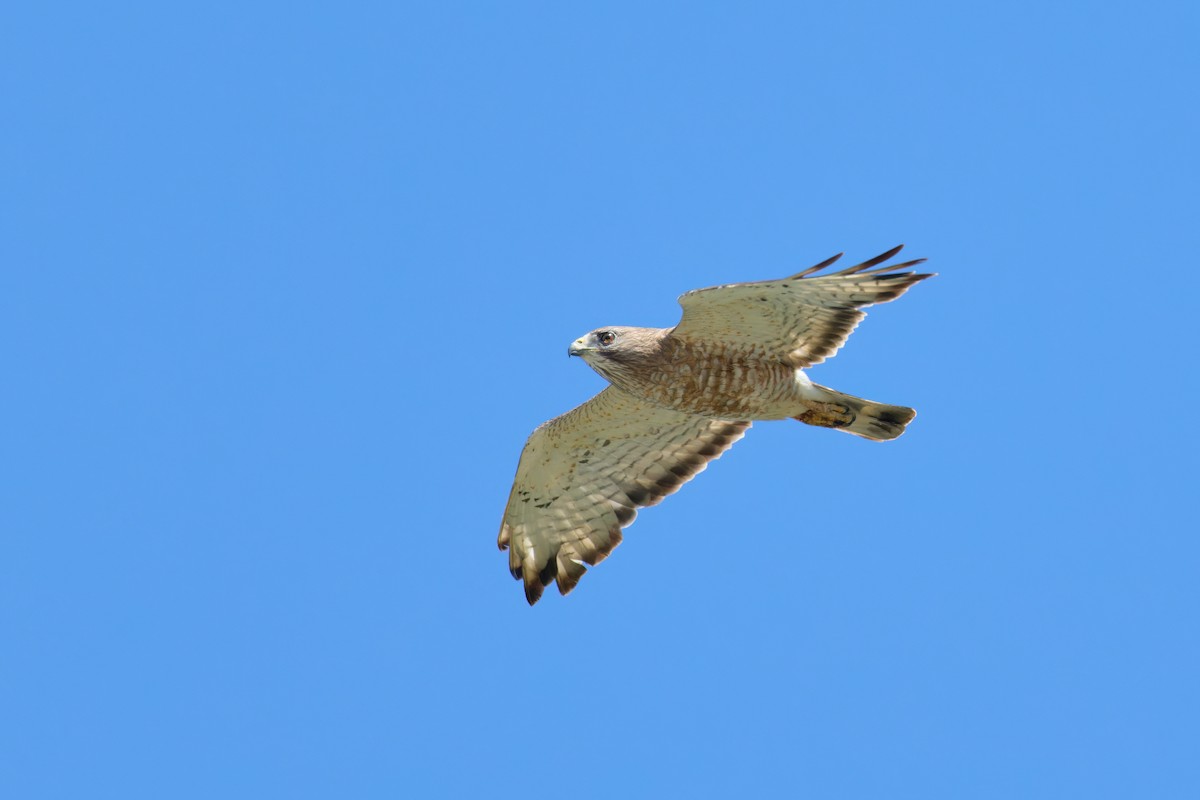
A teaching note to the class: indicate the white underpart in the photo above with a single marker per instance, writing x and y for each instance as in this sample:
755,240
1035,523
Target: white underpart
806,386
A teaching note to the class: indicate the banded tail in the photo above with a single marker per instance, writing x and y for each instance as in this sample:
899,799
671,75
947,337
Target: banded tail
866,418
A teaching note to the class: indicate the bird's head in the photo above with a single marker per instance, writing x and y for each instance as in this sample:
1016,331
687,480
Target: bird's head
618,349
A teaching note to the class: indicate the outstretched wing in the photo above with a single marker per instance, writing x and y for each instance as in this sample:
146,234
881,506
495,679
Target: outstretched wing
582,477
803,319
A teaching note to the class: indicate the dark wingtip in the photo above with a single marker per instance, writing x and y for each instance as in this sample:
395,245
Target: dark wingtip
879,259
901,265
817,267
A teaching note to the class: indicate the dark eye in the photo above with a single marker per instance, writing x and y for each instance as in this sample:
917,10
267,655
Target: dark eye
606,337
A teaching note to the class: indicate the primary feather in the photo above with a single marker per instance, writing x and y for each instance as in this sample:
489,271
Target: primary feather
803,319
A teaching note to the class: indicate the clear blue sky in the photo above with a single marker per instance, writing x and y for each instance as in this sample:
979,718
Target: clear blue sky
284,288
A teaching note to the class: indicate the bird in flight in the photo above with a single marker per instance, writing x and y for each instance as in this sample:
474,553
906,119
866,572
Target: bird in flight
679,398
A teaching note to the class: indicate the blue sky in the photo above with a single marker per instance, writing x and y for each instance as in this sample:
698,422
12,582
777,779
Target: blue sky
283,289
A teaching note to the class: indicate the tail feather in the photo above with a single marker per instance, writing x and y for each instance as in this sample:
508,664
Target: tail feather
866,418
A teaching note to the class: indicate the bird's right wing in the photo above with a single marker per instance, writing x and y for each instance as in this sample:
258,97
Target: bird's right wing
583,475
801,320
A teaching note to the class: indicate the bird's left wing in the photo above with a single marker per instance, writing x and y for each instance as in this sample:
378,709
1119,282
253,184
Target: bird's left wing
801,320
583,475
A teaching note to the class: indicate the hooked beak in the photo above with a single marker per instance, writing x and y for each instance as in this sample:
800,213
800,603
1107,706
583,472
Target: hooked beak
578,348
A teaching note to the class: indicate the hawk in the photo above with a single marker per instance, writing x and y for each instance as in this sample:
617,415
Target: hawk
679,398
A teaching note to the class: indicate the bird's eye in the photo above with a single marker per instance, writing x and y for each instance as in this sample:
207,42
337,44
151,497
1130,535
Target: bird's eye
606,337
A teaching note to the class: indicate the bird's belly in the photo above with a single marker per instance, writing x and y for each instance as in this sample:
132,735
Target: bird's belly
729,389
